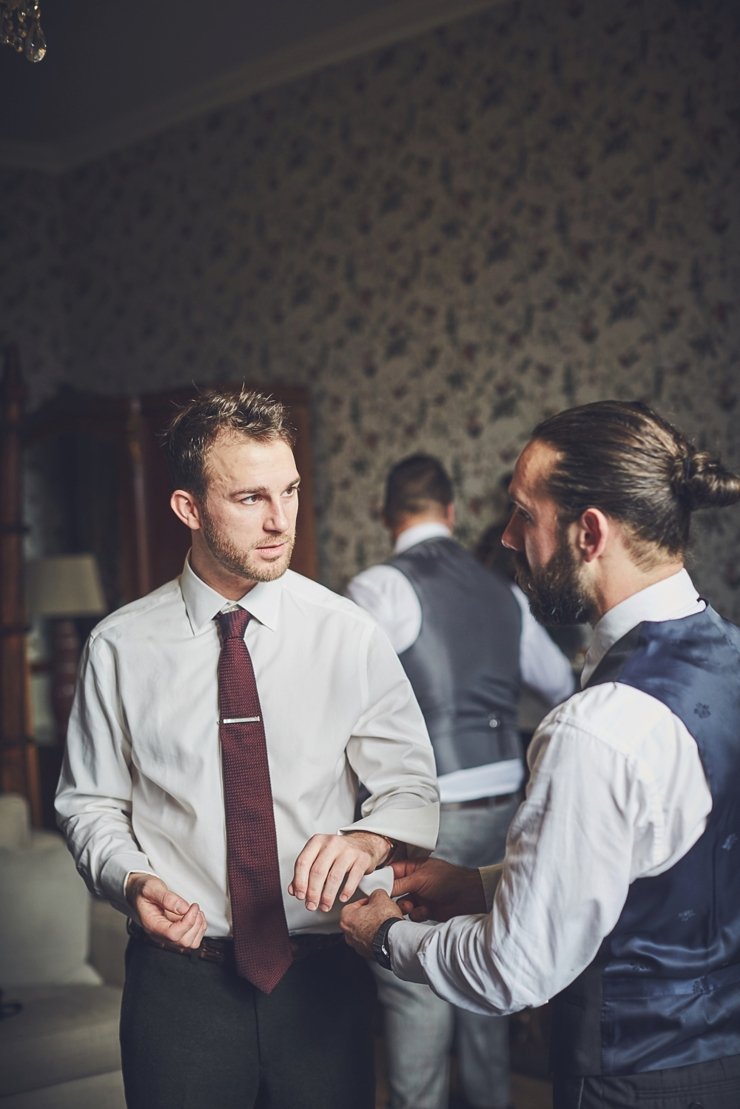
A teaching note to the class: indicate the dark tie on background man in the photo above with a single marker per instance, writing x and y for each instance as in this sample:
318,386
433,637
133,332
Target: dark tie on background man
261,941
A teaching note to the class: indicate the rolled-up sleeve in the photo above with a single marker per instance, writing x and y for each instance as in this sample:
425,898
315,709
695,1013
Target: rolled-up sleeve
391,754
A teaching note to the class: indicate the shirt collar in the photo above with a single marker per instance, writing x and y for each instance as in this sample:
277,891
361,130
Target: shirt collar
670,599
203,603
418,533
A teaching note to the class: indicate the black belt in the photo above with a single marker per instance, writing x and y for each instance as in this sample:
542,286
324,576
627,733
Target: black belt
221,951
479,802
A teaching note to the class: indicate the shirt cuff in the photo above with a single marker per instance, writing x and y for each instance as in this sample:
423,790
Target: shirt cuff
404,942
416,828
381,879
115,874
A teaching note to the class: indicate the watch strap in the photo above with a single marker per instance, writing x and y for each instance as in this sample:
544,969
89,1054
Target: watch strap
381,951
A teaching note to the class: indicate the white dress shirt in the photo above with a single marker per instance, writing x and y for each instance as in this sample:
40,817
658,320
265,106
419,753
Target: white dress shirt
141,786
388,595
617,792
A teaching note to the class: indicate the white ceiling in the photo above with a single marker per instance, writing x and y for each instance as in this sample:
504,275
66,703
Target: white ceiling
118,70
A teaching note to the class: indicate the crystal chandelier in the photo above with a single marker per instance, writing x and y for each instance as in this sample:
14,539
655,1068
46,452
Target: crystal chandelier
20,27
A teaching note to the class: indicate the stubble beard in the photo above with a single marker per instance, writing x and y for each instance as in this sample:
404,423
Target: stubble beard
242,563
556,595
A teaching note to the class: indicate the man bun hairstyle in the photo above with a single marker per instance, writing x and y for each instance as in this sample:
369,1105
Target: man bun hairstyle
704,481
625,459
416,484
197,424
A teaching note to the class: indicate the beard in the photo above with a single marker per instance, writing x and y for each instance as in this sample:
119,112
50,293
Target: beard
555,593
243,563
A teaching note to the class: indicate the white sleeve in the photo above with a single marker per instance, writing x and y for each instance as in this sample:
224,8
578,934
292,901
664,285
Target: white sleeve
543,666
389,750
617,792
93,800
391,600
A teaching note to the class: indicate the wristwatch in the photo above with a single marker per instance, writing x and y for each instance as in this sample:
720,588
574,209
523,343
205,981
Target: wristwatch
381,951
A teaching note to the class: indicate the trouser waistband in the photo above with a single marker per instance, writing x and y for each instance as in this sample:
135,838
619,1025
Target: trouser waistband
221,950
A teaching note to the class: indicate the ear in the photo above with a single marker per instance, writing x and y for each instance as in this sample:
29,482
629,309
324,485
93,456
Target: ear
185,507
450,516
592,533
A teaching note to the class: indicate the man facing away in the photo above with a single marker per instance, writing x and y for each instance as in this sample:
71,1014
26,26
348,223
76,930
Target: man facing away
154,813
618,897
467,642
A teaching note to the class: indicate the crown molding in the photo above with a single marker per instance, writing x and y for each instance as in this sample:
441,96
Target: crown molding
395,23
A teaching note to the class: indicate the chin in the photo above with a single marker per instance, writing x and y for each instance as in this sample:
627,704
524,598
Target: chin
269,571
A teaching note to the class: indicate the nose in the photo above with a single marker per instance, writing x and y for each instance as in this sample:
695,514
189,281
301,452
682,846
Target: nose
509,538
276,518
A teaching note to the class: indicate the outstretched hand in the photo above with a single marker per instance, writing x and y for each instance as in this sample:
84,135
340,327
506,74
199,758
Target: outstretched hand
429,890
165,914
331,866
437,890
361,919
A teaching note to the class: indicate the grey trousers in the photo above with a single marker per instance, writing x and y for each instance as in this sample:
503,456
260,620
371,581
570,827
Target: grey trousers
194,1036
420,1030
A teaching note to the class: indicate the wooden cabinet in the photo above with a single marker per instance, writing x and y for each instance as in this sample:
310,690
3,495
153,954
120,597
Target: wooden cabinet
18,762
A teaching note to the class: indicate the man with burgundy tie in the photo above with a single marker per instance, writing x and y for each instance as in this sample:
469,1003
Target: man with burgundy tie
221,728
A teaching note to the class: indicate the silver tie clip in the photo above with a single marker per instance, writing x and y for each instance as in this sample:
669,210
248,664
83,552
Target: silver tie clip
241,719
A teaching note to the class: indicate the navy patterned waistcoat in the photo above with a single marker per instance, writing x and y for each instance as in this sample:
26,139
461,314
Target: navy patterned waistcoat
664,989
464,666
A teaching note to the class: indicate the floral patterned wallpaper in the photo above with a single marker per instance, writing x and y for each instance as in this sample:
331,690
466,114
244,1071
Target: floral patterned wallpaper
525,210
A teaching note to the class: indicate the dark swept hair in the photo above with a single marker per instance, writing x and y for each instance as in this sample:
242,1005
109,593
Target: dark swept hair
197,424
415,484
628,461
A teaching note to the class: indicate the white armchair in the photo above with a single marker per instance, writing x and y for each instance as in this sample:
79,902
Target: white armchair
61,971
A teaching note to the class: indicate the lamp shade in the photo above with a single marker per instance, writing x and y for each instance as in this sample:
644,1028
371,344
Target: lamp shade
65,585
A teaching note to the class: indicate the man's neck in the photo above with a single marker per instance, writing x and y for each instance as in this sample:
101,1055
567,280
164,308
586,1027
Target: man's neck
631,579
433,516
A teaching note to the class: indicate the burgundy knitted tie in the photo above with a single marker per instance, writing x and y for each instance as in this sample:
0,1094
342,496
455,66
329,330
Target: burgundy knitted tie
261,942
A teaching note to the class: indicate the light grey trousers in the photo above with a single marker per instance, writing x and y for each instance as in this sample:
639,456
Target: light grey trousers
420,1030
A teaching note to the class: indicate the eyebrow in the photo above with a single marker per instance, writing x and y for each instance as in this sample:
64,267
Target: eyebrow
517,502
263,490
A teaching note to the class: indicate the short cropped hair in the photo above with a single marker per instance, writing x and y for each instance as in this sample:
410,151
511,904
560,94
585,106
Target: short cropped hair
415,484
197,424
622,457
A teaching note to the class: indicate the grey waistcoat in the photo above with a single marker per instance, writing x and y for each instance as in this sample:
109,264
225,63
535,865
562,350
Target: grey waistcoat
464,666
